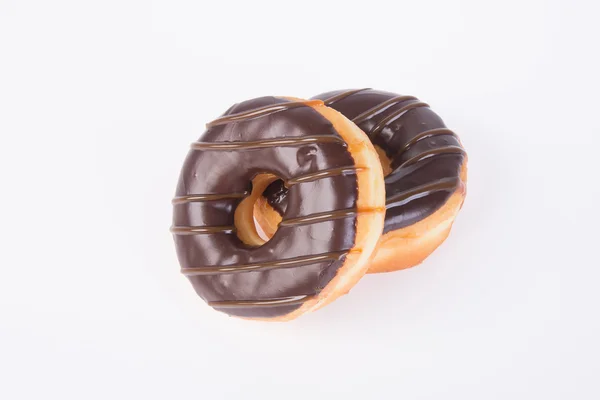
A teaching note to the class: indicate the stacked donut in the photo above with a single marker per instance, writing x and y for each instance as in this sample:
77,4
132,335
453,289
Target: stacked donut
284,204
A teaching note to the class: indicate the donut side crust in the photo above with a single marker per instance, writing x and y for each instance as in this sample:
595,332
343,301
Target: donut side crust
408,247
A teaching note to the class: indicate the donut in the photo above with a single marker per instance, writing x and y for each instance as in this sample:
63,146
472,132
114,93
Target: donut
330,228
425,168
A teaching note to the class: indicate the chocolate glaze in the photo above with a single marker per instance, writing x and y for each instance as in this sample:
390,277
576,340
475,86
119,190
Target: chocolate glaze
426,157
287,139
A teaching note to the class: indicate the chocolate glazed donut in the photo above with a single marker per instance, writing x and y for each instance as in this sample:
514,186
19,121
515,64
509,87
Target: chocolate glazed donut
319,235
425,167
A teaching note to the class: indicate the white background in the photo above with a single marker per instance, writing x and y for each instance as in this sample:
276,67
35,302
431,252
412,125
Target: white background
99,101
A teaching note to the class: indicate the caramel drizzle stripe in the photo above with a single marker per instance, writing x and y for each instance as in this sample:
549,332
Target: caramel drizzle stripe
274,302
318,217
262,111
432,153
266,265
447,184
424,135
395,115
201,230
260,144
208,197
342,95
326,173
374,110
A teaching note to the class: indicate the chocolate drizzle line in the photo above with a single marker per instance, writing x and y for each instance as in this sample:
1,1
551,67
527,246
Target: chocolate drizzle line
379,107
318,217
273,302
266,265
208,197
425,135
447,184
260,144
326,173
342,95
201,230
433,152
395,115
262,111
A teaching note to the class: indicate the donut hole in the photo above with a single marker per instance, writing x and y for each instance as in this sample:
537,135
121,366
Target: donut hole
255,220
269,208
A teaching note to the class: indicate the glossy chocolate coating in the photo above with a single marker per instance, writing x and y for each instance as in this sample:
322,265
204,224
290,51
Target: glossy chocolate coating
294,142
426,157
